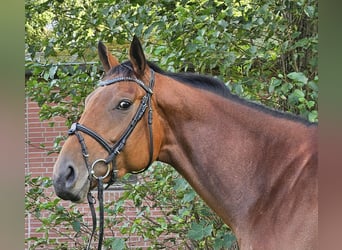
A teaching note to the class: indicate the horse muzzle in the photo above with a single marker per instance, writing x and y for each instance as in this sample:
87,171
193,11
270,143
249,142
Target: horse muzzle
68,182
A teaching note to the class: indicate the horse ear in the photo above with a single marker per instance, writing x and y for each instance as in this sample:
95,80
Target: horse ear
108,60
137,57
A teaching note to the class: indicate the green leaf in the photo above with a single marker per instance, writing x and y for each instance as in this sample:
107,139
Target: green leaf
310,104
299,93
298,77
180,185
313,116
198,231
224,241
313,85
223,23
296,96
253,50
286,87
275,82
52,71
189,196
118,244
76,225
309,11
228,240
238,89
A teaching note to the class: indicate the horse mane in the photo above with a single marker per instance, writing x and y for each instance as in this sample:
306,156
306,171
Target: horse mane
195,80
210,84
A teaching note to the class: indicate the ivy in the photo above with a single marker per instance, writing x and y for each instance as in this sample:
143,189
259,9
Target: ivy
198,231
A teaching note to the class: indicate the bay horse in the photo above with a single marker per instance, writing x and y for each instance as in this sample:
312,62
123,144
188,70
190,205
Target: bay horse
254,166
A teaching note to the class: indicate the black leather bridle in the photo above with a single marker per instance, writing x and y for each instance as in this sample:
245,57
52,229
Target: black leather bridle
113,150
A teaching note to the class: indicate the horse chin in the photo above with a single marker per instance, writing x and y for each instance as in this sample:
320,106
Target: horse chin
80,201
81,197
76,195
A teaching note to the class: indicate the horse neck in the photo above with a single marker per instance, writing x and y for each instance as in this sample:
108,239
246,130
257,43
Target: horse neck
221,146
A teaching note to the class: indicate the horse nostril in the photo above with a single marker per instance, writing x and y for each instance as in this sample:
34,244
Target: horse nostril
70,176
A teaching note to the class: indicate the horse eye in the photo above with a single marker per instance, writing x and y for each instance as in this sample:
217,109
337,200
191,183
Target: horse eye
124,105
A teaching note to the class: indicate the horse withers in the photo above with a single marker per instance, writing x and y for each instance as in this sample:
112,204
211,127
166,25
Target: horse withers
254,166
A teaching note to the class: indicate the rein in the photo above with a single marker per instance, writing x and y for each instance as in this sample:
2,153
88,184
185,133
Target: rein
114,150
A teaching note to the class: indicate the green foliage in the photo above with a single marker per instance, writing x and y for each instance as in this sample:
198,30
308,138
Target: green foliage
257,41
53,217
60,89
169,213
265,51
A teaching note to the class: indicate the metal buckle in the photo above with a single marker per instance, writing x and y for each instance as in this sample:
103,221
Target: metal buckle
72,129
92,171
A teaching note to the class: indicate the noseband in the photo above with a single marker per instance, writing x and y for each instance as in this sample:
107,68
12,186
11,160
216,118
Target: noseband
113,150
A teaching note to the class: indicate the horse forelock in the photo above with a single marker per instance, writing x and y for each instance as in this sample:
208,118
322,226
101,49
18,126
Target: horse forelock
125,69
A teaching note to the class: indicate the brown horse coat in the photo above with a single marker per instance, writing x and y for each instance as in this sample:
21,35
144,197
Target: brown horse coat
255,167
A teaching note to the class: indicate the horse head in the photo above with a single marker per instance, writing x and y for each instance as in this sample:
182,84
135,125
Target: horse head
116,133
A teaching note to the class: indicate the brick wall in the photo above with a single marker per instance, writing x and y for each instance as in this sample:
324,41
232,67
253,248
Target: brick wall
39,163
